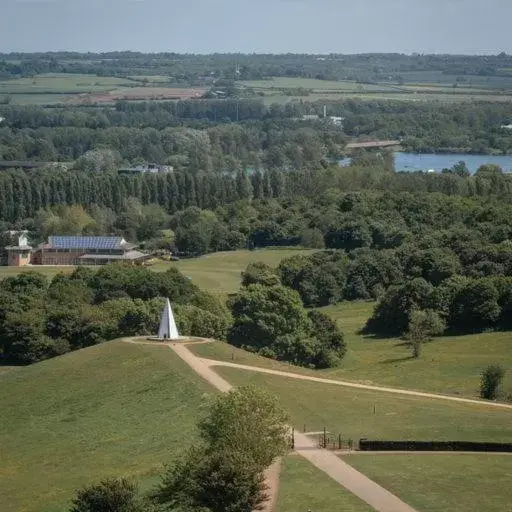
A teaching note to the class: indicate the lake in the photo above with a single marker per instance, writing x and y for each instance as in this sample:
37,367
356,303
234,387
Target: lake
440,161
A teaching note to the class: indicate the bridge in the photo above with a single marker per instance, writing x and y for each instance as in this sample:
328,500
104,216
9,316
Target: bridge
374,144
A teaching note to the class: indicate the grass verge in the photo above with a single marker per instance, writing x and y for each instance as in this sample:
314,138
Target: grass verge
432,483
303,487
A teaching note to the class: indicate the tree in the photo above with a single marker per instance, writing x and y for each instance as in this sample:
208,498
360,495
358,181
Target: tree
259,273
263,314
475,307
248,420
312,237
99,160
423,325
490,382
112,495
243,432
392,314
217,481
332,347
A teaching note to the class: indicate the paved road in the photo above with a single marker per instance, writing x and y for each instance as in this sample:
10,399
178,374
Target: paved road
367,490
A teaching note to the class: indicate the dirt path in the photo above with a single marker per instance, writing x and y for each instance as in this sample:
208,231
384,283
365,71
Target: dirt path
204,370
367,490
211,362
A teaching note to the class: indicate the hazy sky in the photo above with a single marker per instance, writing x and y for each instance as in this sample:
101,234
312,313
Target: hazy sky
305,26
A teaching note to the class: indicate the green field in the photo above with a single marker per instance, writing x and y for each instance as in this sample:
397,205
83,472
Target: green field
438,482
110,410
303,487
55,88
378,415
218,273
221,272
437,88
61,83
448,365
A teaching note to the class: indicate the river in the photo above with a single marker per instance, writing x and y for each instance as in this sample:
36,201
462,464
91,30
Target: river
440,161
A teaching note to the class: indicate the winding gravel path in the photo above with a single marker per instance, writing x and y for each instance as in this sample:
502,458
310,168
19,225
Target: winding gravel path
376,496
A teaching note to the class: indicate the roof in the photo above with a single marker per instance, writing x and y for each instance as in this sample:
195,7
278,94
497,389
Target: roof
127,256
86,242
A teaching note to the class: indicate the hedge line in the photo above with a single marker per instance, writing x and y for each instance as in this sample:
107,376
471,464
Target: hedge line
433,446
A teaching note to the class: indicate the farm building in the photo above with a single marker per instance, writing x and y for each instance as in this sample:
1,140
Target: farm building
86,250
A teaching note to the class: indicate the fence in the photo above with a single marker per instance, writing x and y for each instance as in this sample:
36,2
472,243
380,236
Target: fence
433,446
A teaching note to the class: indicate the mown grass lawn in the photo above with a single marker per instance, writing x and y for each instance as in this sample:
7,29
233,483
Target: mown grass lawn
221,272
111,410
359,413
303,487
438,482
449,365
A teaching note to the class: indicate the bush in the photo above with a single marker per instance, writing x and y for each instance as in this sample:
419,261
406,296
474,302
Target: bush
490,382
113,495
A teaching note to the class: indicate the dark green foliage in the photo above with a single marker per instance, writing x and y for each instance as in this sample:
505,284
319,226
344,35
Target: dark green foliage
393,312
319,279
259,273
262,314
433,265
113,495
332,343
475,307
272,321
40,320
212,482
243,433
371,272
490,382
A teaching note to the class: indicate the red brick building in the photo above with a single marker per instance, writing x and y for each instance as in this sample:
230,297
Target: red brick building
86,250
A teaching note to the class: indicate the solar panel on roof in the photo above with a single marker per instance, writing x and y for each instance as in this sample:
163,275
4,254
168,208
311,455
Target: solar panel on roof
85,242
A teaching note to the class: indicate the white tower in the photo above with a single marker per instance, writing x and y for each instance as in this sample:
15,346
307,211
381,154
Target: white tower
168,329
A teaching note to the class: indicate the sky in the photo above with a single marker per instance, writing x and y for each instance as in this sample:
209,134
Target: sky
261,26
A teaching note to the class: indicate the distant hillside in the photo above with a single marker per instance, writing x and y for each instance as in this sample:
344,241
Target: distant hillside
113,409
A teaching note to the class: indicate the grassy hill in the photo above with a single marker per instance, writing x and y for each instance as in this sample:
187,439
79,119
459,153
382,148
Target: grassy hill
448,365
113,409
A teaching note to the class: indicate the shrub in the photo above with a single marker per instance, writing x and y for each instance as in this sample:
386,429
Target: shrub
490,382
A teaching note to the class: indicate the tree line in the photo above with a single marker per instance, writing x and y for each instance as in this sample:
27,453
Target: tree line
200,69
240,127
40,319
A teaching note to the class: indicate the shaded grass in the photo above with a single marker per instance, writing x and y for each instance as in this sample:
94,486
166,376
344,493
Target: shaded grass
303,487
458,483
358,413
449,365
111,410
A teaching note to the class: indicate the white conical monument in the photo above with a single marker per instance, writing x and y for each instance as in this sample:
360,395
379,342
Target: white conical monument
168,329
